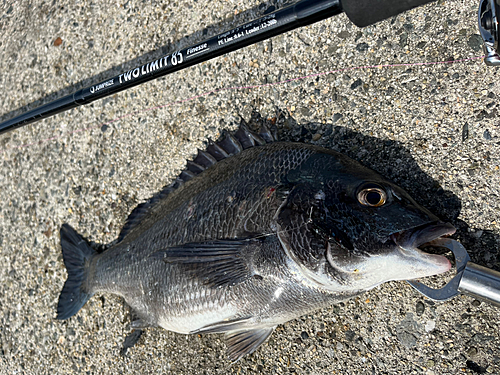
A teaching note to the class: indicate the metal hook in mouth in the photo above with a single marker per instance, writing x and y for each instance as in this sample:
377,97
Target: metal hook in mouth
450,290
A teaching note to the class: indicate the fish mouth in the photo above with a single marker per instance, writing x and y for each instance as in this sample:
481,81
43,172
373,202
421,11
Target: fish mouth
409,243
416,237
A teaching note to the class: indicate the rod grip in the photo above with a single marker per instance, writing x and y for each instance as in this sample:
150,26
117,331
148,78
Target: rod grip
367,12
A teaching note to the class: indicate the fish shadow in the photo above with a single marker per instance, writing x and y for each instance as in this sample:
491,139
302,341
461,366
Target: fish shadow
394,161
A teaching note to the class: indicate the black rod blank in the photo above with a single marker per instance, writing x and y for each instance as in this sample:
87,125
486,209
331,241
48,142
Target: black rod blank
303,13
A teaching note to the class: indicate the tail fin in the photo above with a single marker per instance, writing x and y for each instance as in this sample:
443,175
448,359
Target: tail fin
76,252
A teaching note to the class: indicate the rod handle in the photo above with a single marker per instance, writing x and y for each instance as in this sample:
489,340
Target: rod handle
367,12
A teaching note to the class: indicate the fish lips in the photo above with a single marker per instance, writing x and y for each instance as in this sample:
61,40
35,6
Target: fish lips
400,259
415,237
410,240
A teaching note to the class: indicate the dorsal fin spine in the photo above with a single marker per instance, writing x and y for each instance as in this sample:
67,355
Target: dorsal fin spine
230,144
205,159
266,134
195,167
216,151
244,136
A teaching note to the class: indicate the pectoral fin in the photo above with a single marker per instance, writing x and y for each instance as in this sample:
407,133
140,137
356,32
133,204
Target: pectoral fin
240,343
216,263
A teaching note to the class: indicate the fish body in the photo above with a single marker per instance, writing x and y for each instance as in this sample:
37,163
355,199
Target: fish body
255,233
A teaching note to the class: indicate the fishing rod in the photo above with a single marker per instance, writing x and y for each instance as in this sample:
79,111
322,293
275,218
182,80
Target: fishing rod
305,12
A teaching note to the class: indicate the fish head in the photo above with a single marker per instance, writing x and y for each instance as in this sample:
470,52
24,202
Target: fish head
350,229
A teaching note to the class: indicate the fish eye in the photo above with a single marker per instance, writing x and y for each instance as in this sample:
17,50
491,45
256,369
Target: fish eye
372,196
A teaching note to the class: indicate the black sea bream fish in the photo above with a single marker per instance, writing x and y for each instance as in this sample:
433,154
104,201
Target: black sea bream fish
253,234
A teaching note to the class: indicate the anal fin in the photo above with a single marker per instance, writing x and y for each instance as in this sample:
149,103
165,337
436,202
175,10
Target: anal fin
241,338
241,343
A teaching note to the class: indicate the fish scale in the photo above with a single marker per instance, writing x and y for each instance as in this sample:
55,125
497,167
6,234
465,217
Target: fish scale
253,235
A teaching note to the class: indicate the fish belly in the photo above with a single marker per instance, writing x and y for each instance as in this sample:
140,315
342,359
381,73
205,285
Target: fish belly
195,321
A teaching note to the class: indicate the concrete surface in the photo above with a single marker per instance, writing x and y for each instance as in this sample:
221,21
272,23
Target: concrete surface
433,129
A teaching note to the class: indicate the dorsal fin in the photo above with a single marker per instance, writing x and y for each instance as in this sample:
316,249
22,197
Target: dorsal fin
204,159
267,135
216,151
248,138
226,146
230,144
